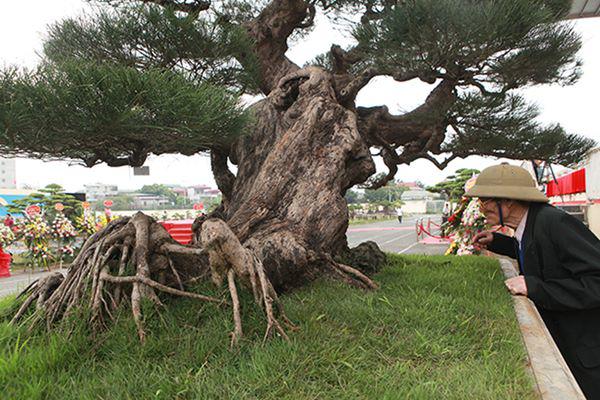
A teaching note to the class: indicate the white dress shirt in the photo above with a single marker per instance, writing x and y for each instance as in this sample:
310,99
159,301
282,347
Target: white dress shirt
521,228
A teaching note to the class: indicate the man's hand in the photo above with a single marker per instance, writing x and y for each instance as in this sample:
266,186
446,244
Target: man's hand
516,286
482,240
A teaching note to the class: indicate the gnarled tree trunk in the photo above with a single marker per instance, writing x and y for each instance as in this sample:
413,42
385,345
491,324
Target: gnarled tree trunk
284,216
287,203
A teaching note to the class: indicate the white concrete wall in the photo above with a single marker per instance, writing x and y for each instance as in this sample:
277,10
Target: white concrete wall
414,206
100,191
593,217
158,214
592,174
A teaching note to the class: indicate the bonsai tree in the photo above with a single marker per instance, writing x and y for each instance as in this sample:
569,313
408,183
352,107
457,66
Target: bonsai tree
47,198
454,185
162,76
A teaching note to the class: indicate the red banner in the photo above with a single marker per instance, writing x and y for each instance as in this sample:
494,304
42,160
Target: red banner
567,184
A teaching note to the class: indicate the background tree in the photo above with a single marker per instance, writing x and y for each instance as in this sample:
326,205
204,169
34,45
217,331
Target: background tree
160,190
454,185
183,202
121,202
390,193
388,196
352,196
156,76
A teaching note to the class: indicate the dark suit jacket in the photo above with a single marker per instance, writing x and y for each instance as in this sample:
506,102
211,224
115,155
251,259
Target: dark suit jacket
562,272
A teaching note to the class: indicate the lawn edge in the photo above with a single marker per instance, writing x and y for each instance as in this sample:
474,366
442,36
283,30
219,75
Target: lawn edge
552,376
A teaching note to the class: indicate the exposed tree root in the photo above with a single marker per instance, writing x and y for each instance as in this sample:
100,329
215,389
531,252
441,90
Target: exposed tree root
356,274
134,259
228,258
237,318
38,291
127,262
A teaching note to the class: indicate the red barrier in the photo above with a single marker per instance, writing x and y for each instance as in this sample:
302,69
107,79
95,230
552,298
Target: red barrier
181,231
434,224
567,184
421,229
4,264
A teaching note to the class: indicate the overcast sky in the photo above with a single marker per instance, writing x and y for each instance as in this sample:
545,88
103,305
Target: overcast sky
575,107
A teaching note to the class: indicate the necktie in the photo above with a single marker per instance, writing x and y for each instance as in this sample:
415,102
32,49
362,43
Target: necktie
521,255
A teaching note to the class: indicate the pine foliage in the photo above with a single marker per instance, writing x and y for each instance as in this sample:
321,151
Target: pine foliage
506,126
154,37
134,78
488,49
112,113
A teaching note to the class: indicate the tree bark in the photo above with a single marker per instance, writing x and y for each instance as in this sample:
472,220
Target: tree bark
287,203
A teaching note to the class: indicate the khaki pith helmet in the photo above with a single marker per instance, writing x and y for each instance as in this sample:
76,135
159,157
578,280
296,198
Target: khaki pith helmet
506,181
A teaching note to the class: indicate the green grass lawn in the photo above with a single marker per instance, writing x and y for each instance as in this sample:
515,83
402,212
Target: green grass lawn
439,328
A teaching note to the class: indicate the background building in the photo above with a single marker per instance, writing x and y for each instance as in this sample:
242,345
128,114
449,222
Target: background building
410,185
420,201
577,190
149,201
200,192
99,191
8,173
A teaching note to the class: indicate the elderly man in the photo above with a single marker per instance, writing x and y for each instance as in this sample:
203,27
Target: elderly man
559,263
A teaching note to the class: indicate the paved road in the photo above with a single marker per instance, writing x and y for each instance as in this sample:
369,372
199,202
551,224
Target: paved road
19,281
394,237
389,235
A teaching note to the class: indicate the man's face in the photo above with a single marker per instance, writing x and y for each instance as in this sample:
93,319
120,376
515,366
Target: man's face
489,207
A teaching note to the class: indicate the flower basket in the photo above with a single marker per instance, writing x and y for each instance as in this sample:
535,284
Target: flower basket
5,259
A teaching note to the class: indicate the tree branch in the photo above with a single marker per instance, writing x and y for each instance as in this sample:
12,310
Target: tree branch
194,7
418,126
350,90
310,19
136,159
342,59
392,160
419,132
371,14
440,165
224,178
270,31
